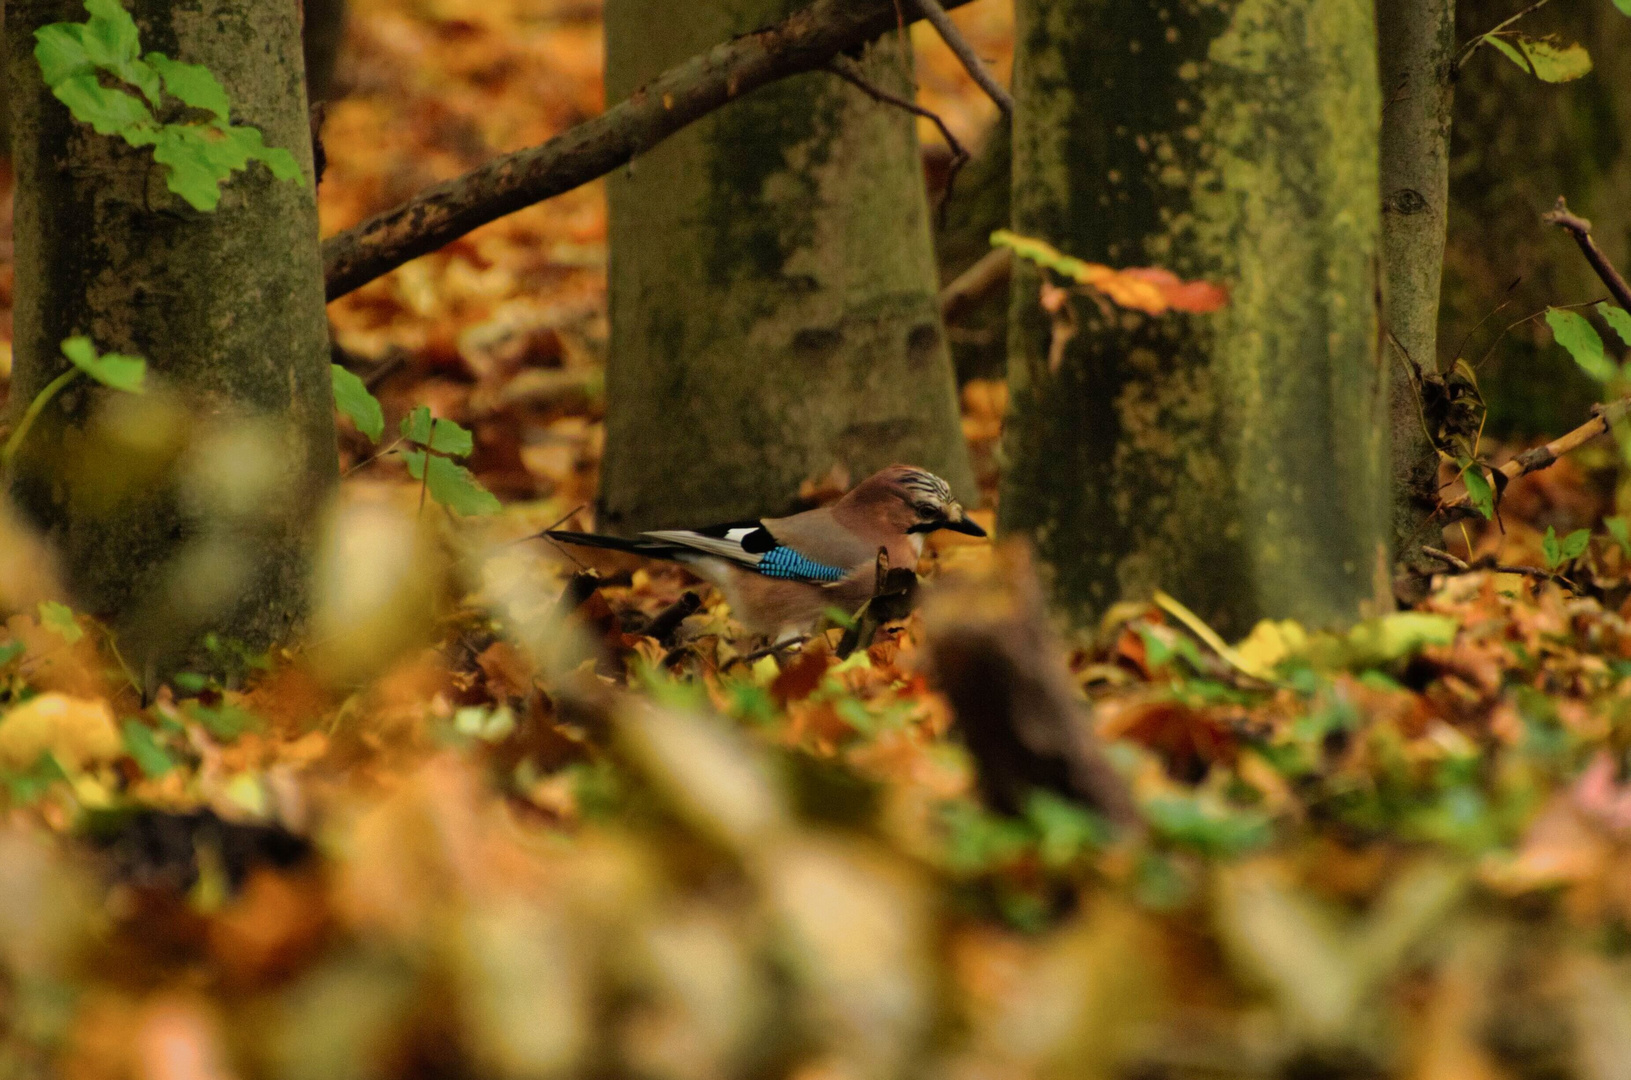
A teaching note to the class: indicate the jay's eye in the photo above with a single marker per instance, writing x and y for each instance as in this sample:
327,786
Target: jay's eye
925,511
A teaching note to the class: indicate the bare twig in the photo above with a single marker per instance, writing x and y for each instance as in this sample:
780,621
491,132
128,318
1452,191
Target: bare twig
958,44
851,72
1462,566
804,41
1601,422
1580,228
988,275
1467,50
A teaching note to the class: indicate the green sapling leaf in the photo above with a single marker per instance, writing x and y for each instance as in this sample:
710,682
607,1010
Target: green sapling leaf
192,84
416,426
1575,334
1617,317
1549,59
127,373
1479,492
109,112
59,619
1617,527
352,398
60,50
1574,544
151,758
451,484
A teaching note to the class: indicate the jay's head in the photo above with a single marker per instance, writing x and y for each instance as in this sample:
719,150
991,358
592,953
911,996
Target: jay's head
912,500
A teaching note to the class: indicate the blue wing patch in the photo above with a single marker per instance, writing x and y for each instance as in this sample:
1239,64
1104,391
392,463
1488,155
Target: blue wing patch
784,562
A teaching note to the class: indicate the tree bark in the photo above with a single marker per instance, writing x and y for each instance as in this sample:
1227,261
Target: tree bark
1416,45
1236,460
191,508
773,287
322,35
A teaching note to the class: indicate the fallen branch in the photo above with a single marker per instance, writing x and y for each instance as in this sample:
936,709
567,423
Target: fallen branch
1462,566
1601,423
850,72
985,277
1581,230
805,41
958,44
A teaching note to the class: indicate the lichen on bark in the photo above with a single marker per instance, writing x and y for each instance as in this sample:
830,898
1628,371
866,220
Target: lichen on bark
773,288
191,509
1236,460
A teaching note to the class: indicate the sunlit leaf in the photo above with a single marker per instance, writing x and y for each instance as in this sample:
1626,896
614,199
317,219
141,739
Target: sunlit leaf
59,619
1148,289
1617,317
416,425
352,398
1620,531
127,373
1550,59
60,51
1576,334
1550,550
192,84
108,111
1479,492
452,485
151,758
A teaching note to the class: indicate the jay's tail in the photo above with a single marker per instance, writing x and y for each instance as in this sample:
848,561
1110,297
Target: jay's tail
635,545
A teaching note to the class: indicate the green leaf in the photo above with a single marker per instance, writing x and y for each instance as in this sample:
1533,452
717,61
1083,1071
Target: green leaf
127,373
1624,6
151,758
10,651
1575,334
1550,59
59,619
1479,492
1574,544
442,436
60,50
111,37
351,397
1617,317
225,722
190,172
109,112
452,485
1550,550
416,425
1617,527
193,84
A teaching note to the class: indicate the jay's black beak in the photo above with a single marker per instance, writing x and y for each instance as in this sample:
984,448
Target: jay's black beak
965,525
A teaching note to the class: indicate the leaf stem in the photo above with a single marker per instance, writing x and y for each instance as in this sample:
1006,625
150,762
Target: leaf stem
35,407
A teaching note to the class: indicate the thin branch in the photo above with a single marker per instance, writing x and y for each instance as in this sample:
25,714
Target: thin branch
1467,50
851,72
1581,230
985,277
805,41
958,44
1601,422
1462,566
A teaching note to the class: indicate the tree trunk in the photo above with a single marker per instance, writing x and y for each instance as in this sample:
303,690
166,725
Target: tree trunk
1236,460
773,297
190,508
1416,43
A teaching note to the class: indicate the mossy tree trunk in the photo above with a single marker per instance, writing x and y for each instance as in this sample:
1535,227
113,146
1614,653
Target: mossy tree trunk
1236,460
191,508
773,287
1416,43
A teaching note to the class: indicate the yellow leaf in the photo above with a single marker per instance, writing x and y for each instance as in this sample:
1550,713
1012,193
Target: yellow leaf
78,731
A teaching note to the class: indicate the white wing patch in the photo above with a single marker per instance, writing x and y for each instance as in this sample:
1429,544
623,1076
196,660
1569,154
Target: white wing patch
728,546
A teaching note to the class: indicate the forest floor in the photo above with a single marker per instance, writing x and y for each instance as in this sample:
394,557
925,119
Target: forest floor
527,848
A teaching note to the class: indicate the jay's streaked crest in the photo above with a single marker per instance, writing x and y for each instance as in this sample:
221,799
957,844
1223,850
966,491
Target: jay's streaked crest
781,574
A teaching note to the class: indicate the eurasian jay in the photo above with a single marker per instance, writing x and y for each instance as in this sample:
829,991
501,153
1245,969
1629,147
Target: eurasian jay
780,574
